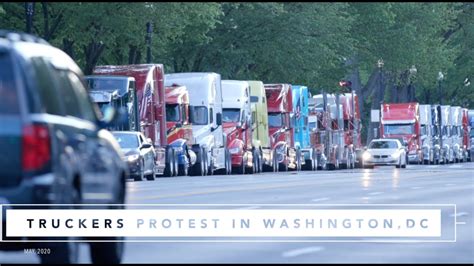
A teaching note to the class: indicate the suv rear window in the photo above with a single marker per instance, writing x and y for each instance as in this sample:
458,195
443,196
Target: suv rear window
8,90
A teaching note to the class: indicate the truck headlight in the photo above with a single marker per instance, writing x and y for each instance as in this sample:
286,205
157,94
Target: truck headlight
366,156
133,157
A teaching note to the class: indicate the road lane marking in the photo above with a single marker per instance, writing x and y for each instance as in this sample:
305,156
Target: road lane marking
459,214
249,208
301,251
320,199
375,193
416,187
460,222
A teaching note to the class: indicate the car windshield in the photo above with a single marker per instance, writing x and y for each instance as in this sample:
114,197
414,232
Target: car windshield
231,115
399,129
126,141
172,112
199,115
383,145
107,84
275,120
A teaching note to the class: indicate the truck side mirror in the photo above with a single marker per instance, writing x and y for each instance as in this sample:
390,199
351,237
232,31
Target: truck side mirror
219,119
239,125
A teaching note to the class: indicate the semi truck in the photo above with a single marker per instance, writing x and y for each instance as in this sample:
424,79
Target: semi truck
260,136
466,140
151,108
318,122
238,125
402,121
426,134
116,91
301,96
470,128
436,135
456,134
352,130
281,126
205,98
447,140
178,127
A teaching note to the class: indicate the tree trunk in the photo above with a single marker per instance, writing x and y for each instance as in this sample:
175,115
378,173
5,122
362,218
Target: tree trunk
93,52
68,47
133,54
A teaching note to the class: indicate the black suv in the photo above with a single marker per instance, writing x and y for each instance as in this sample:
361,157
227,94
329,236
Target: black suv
53,147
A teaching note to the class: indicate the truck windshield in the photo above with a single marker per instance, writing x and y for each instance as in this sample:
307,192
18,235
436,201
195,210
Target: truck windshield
383,145
108,84
275,120
230,115
126,141
399,129
172,112
199,115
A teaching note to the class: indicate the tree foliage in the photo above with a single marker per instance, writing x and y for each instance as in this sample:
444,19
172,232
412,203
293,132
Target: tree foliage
314,44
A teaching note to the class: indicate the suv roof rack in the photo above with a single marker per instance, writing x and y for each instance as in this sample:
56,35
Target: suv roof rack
21,36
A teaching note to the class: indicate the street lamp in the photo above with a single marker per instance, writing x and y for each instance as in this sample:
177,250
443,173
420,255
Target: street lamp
30,10
149,29
440,78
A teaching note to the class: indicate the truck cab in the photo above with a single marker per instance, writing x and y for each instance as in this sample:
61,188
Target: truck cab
402,121
352,129
318,121
116,91
237,124
426,135
301,98
456,133
447,140
281,123
150,108
178,127
466,140
205,98
260,135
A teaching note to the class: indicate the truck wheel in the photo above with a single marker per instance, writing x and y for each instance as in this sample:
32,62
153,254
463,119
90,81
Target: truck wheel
240,170
282,167
169,163
331,166
197,168
182,170
308,165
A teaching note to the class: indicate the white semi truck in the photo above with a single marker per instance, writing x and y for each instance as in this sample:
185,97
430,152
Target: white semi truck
205,99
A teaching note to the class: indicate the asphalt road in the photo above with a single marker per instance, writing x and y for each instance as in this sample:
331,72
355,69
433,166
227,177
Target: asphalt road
418,184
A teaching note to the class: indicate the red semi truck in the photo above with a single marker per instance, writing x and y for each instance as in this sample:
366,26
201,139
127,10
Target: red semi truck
352,134
402,121
281,122
179,128
150,89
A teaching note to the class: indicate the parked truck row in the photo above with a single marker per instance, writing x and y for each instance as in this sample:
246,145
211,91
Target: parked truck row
199,124
432,134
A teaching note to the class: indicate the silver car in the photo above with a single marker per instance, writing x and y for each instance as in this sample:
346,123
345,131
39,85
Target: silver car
385,152
139,154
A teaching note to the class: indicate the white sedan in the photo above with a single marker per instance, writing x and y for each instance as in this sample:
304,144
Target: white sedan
385,152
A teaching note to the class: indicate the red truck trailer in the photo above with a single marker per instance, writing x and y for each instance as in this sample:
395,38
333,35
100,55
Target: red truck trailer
402,121
150,90
281,122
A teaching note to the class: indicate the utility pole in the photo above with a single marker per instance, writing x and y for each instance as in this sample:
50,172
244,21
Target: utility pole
30,10
149,30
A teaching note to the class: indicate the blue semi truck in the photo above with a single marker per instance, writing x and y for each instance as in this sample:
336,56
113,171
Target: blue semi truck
301,97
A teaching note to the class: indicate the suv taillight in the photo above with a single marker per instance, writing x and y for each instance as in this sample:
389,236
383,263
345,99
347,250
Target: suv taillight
36,149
